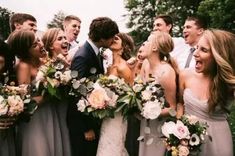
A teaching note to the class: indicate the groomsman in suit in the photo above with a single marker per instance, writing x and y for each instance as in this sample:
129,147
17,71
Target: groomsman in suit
83,129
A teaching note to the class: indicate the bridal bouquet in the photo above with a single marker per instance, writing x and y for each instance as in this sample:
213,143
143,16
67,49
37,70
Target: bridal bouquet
15,100
150,97
101,97
53,77
184,136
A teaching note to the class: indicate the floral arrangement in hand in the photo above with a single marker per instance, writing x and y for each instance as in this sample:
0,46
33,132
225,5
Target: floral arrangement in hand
53,77
100,97
150,97
15,100
184,136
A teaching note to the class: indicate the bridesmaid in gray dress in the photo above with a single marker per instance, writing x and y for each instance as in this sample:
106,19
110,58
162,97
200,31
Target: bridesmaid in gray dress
159,64
208,91
55,43
41,136
7,129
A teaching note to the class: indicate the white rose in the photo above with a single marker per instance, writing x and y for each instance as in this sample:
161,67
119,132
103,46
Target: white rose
3,108
82,105
168,128
66,76
146,95
151,110
137,87
181,131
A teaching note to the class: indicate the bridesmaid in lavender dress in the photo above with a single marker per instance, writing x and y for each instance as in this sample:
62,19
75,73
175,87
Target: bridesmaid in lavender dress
208,92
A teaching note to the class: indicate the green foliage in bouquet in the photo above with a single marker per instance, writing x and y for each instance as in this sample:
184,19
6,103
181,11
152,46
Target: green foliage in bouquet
16,100
101,97
53,78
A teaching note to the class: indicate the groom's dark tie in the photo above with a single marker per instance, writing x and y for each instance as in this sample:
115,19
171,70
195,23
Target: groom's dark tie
190,55
100,59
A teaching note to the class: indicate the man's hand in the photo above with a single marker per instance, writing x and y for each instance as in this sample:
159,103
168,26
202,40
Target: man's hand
90,135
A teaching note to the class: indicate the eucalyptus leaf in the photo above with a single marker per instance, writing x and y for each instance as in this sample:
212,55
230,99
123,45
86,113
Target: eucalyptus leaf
140,138
27,100
149,141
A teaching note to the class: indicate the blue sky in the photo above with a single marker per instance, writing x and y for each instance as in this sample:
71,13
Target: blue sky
87,10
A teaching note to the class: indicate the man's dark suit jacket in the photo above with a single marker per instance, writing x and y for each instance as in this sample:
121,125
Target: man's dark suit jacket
84,60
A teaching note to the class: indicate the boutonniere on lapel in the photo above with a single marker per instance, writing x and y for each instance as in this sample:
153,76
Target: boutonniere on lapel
107,56
103,53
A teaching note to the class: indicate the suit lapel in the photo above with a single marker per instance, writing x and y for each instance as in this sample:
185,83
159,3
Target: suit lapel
97,63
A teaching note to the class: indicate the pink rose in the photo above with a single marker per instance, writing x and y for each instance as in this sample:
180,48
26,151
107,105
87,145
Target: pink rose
183,150
16,105
98,98
181,131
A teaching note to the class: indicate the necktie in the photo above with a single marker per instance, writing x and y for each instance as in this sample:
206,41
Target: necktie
190,55
100,59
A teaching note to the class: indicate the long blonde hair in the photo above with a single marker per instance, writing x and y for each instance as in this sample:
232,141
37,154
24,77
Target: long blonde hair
164,44
222,88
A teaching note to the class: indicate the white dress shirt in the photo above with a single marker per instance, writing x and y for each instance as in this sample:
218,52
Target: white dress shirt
181,52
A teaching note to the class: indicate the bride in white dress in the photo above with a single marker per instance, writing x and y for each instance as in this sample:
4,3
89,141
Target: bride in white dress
113,130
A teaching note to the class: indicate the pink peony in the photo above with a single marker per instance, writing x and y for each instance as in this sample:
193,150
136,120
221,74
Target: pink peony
98,98
16,105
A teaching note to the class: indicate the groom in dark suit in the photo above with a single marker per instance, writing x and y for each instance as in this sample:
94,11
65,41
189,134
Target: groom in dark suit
83,129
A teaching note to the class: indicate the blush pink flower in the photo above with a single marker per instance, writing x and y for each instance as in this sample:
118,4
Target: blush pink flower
98,98
16,105
181,131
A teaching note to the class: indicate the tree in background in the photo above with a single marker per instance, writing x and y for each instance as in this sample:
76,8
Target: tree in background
143,12
141,15
219,13
57,21
5,15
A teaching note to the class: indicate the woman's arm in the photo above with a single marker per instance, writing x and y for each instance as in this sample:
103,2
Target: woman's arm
24,77
168,82
23,73
180,104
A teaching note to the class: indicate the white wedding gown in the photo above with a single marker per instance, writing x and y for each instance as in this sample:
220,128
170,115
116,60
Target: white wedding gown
112,137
